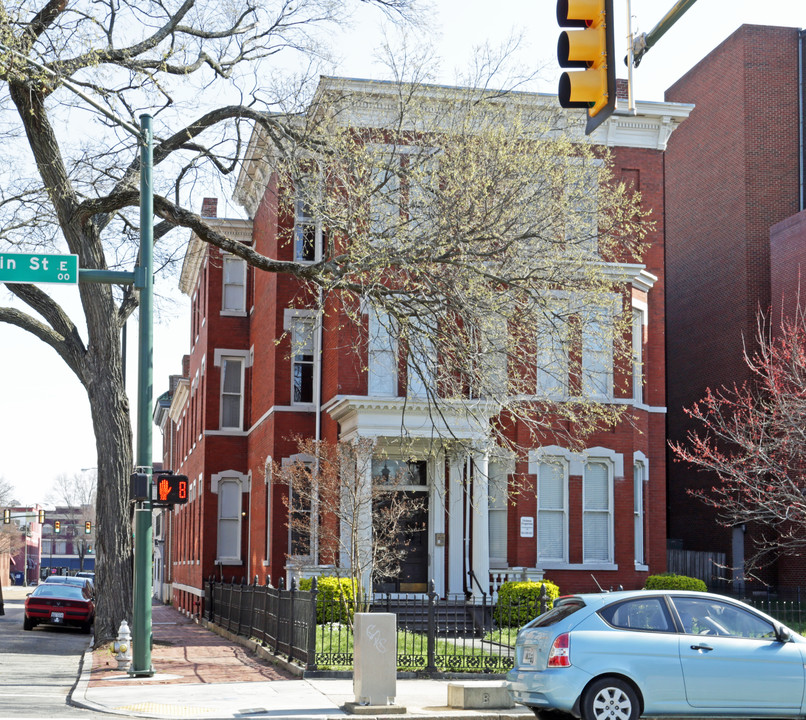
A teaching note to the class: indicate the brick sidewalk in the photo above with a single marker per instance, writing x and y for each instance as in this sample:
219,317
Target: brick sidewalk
189,654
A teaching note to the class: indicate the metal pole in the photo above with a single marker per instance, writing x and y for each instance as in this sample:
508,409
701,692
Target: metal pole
643,42
141,636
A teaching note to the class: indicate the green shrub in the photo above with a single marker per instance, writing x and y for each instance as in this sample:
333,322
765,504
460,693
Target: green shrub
670,581
518,602
334,599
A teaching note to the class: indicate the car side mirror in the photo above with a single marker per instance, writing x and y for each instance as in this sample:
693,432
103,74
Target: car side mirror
783,634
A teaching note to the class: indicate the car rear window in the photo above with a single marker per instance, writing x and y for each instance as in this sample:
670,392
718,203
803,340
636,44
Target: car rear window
561,610
645,614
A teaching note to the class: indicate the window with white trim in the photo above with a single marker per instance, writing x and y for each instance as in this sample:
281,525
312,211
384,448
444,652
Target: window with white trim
422,365
597,354
233,300
303,353
582,216
232,382
382,356
597,512
638,477
497,508
552,357
307,233
552,510
301,516
228,549
638,355
384,203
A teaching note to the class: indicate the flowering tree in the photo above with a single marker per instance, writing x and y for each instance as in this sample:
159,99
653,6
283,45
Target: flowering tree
753,439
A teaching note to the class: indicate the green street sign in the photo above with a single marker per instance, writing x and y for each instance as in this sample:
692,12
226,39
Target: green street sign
38,268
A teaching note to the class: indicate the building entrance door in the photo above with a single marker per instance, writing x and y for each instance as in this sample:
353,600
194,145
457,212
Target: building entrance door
412,545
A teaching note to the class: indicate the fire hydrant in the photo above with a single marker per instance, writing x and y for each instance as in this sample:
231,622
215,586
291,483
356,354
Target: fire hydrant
122,647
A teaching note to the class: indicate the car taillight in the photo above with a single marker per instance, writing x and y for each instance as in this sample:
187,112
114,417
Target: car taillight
560,653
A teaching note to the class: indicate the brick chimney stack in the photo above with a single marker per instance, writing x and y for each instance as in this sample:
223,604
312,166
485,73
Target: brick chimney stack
209,208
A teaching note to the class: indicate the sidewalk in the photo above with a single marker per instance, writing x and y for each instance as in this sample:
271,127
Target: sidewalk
201,675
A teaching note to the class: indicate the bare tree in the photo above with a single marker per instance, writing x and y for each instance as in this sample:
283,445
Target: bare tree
82,195
7,498
342,516
752,440
505,213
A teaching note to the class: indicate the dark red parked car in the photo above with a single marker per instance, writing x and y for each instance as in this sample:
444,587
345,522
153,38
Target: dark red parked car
59,604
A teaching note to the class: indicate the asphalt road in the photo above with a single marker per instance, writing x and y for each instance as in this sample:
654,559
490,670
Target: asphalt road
38,668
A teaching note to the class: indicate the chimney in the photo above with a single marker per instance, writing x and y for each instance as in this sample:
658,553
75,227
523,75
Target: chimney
209,207
186,366
622,90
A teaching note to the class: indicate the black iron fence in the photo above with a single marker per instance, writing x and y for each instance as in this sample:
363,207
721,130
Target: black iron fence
435,635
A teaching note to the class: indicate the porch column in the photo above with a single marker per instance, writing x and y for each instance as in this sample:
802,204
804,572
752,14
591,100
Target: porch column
480,560
437,518
359,531
456,519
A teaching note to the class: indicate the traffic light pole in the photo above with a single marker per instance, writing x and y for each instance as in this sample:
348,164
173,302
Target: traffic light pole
642,43
143,279
141,631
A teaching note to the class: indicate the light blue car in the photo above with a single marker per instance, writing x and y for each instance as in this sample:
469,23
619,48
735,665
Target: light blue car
620,655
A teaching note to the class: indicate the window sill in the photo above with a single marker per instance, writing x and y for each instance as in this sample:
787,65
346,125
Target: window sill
640,567
554,565
229,561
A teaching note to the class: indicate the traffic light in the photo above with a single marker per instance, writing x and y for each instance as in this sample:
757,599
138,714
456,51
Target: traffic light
41,517
87,527
6,516
57,526
170,489
589,50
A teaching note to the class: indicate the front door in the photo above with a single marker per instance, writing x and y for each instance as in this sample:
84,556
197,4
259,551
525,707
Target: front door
411,545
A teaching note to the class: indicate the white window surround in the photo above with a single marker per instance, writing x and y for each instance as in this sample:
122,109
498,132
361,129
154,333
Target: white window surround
289,316
230,485
303,219
288,462
597,512
233,285
267,481
640,459
382,356
552,454
576,467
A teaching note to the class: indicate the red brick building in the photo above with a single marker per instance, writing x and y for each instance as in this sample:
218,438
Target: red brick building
245,391
733,170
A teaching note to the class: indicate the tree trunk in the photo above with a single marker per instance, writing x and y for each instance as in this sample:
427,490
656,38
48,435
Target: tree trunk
109,406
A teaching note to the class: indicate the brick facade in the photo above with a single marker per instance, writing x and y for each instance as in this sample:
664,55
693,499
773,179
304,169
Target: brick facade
210,456
731,174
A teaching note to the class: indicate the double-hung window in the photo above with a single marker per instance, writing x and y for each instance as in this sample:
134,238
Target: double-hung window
597,513
229,520
638,475
497,512
307,233
302,359
382,355
232,382
233,301
552,511
597,354
552,357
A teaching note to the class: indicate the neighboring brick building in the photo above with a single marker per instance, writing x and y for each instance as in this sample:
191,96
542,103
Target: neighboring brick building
733,170
242,396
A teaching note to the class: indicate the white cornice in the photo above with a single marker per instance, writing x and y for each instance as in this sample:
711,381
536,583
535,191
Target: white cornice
178,401
374,417
375,103
234,228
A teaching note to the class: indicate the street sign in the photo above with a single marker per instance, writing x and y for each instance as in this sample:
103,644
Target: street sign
38,268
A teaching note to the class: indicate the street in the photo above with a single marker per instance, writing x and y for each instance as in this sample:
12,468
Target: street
38,668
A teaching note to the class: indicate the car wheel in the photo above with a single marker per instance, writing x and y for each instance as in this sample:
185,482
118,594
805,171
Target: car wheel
28,624
610,699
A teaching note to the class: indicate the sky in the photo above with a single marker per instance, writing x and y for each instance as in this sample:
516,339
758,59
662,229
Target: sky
45,427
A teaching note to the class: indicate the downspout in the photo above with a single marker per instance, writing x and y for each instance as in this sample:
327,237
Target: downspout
466,485
318,418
